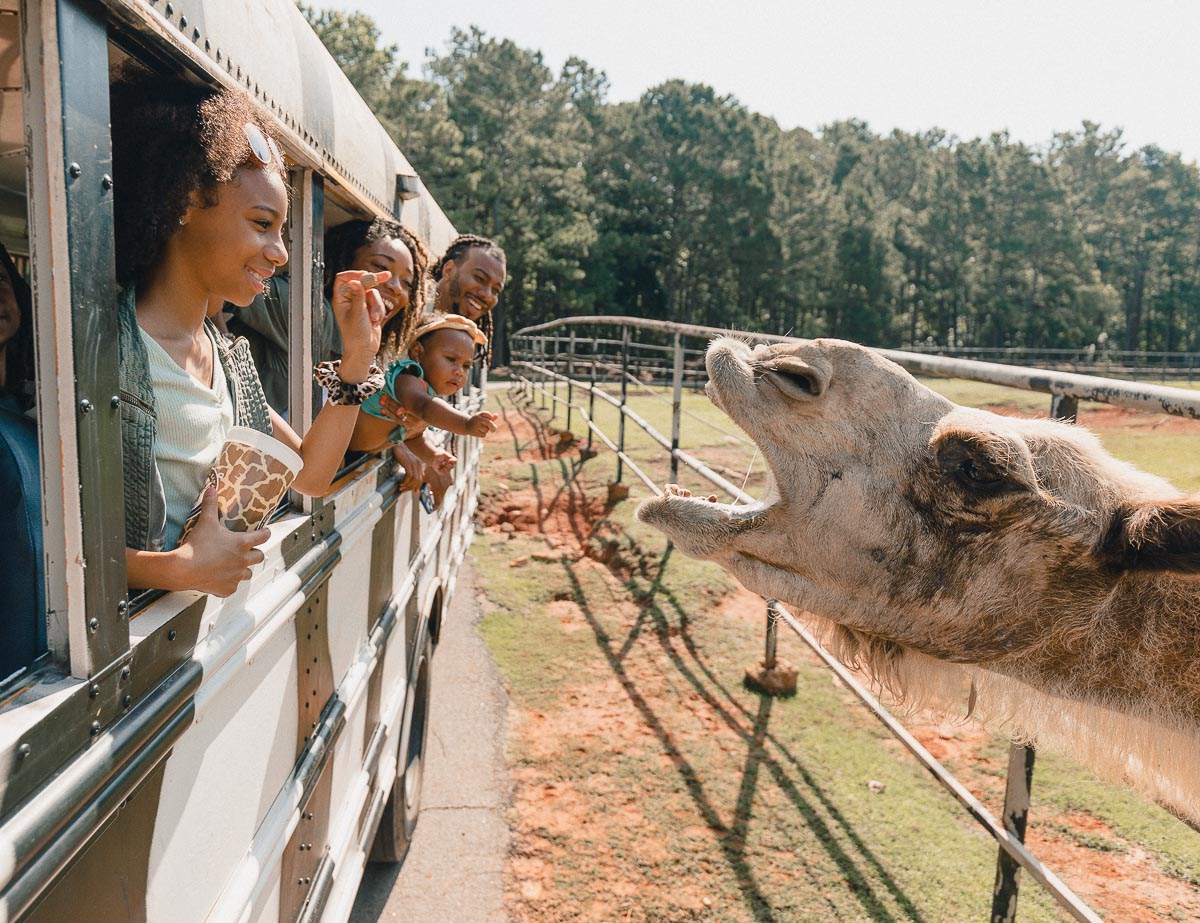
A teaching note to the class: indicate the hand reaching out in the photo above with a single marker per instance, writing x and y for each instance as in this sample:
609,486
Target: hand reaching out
481,424
442,461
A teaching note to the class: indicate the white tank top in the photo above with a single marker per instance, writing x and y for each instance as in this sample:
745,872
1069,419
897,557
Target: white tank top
191,426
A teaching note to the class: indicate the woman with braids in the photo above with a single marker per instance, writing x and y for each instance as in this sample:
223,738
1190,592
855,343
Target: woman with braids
469,278
201,199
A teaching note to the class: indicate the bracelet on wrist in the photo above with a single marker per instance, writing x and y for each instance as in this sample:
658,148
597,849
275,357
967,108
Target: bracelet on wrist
346,393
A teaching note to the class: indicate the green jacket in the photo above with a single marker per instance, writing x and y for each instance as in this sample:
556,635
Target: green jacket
145,502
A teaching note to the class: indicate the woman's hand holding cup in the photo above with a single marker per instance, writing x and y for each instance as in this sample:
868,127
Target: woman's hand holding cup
215,559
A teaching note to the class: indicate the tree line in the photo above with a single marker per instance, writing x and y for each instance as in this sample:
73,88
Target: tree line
687,206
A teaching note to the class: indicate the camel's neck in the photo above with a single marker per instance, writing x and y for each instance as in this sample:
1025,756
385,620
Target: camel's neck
1136,649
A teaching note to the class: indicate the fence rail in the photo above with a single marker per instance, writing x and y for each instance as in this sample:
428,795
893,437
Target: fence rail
541,365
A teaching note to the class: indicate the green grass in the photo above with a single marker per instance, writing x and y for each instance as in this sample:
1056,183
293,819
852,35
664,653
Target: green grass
764,807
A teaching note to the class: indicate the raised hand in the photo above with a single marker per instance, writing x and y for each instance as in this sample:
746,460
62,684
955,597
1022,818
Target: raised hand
359,313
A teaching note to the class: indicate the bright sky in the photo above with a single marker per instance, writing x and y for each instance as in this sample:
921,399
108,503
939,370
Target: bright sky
968,66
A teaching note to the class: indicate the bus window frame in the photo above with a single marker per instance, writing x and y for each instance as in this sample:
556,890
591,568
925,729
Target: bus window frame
69,183
306,220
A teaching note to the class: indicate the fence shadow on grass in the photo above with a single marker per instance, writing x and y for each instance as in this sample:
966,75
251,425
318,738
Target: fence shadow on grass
754,730
862,870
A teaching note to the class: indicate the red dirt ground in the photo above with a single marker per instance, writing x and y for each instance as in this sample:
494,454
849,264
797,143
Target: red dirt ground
1124,880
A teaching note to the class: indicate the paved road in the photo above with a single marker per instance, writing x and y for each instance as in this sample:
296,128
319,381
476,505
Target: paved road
454,869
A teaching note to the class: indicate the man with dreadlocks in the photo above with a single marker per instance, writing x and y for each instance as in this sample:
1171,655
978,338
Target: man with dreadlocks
469,278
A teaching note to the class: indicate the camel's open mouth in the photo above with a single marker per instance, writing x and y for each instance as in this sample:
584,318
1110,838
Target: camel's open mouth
697,525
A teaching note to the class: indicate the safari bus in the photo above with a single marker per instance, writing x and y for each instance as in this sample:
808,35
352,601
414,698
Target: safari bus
175,756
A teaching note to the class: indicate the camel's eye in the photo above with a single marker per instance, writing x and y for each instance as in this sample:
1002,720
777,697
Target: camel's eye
970,465
975,472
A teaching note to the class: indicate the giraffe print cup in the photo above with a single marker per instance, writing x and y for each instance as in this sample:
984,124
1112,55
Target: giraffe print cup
253,472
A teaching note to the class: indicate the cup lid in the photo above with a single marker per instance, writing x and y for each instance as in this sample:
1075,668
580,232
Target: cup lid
268,445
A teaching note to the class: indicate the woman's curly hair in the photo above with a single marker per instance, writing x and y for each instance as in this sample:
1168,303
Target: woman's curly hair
458,250
171,141
345,240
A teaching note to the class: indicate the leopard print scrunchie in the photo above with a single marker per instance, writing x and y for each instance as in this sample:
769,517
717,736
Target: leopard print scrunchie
344,393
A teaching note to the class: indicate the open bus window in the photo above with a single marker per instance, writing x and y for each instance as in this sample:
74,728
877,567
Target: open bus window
23,590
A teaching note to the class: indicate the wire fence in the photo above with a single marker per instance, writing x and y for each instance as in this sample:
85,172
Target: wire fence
544,359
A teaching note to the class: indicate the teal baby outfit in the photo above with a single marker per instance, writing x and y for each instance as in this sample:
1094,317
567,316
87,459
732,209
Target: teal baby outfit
374,405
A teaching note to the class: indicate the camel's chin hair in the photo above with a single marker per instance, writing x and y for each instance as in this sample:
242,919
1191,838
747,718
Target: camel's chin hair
1153,753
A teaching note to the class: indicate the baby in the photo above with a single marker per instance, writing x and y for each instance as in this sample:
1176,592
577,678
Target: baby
442,351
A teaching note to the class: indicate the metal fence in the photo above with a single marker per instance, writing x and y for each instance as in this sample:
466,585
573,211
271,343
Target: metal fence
580,356
1089,360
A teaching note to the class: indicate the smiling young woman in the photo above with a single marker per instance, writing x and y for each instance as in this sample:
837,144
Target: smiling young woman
201,226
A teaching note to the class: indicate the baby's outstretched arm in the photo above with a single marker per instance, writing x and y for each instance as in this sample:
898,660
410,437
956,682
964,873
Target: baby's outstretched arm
411,392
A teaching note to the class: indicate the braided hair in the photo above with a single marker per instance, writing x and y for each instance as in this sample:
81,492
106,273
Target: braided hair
345,240
171,141
456,252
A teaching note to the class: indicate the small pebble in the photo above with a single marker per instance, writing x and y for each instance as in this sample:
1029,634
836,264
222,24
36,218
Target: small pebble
876,786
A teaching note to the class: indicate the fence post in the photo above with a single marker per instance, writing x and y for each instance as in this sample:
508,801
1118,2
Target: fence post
772,635
592,392
771,675
624,394
570,375
542,357
1020,767
676,407
1016,813
554,381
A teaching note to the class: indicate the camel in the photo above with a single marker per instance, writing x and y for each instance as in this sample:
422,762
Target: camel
1008,567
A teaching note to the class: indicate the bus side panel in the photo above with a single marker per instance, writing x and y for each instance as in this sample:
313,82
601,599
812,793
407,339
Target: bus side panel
220,781
267,908
406,508
108,882
349,587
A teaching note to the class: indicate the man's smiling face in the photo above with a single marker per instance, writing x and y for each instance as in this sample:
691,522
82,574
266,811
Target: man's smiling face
474,283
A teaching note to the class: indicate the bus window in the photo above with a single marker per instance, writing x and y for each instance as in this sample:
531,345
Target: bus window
22,591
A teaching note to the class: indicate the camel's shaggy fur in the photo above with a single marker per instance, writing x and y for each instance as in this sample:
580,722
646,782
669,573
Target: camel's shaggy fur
1008,566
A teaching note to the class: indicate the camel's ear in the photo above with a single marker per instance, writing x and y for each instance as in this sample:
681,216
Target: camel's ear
795,378
1154,536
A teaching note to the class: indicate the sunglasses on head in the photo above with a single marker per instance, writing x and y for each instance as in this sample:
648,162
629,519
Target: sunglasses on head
264,148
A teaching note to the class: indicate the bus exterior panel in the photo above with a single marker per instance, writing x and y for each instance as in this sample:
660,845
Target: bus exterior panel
206,759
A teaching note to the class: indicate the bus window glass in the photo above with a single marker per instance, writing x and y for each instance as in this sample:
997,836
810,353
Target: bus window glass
22,593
